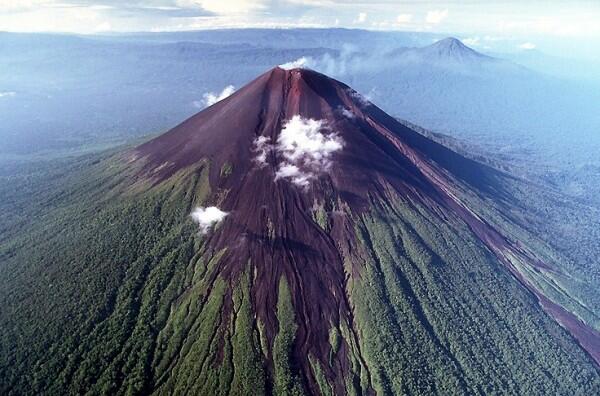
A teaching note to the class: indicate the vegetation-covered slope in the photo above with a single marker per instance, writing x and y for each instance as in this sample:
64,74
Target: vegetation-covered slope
105,295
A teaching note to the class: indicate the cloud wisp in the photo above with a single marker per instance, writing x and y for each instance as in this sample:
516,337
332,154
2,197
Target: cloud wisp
348,61
436,16
363,101
306,146
349,114
208,217
293,173
262,148
527,46
210,98
300,63
471,41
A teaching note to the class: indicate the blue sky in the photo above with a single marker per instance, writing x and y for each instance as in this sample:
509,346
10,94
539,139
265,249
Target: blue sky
481,23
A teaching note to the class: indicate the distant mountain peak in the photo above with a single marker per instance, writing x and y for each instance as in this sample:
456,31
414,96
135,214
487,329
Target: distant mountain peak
452,48
450,42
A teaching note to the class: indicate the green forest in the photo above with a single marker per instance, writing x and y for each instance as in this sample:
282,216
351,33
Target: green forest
107,287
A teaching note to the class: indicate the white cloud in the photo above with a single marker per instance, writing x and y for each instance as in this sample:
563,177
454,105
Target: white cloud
90,16
226,7
46,16
103,27
305,145
210,98
207,217
7,94
292,172
314,3
527,46
348,113
301,63
17,5
262,148
306,149
362,100
404,18
301,139
348,61
436,16
493,38
582,24
471,41
98,7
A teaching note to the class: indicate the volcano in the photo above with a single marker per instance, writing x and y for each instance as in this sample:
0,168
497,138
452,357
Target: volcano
452,48
450,57
295,239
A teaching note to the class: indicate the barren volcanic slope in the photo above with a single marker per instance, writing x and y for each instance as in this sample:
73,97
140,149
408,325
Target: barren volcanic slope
329,250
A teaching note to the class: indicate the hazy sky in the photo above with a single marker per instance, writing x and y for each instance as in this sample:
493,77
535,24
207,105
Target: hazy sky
481,21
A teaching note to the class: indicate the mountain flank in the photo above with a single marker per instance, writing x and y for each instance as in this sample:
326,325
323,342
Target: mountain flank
290,239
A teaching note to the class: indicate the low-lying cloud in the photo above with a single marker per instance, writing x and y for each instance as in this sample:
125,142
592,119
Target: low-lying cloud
262,148
210,98
7,94
208,217
347,113
293,173
306,146
302,139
